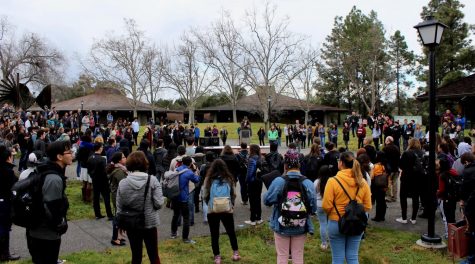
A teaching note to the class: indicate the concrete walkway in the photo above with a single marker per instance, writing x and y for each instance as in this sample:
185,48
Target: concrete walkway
96,234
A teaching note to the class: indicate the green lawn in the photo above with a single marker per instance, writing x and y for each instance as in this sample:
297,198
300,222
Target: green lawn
257,246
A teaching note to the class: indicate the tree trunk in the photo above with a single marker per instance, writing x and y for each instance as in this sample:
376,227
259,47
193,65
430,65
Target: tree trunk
306,117
234,113
135,111
191,115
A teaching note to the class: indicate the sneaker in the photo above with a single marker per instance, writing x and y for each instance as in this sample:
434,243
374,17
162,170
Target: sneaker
249,222
173,236
259,222
243,203
323,246
217,259
400,220
413,221
189,241
236,256
61,261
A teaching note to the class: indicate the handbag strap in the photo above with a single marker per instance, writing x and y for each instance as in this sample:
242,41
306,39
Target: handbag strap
349,197
146,191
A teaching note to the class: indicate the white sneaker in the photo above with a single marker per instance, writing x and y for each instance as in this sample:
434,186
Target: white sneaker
259,222
400,220
413,221
249,222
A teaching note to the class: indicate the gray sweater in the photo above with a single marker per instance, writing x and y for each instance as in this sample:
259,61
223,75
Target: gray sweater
130,194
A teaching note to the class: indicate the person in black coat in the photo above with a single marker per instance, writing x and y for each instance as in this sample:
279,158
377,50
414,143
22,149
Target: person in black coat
393,155
144,147
228,156
7,179
96,167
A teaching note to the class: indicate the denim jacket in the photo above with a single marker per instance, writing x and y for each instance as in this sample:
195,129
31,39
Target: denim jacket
273,197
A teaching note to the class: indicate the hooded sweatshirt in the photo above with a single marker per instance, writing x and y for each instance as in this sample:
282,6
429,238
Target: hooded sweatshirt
131,195
334,193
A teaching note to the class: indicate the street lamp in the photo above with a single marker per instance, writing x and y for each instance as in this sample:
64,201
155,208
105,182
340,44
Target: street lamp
269,99
82,105
430,32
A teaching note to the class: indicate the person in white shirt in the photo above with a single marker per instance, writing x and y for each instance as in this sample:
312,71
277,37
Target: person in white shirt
135,129
286,133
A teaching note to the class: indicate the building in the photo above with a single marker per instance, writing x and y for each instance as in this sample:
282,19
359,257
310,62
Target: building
284,109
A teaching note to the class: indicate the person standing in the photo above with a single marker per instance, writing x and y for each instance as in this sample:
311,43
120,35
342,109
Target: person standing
130,195
379,192
44,240
324,174
348,182
376,133
135,130
96,167
180,204
243,157
197,132
286,134
354,120
272,135
224,135
218,177
116,172
361,133
289,232
7,179
346,134
254,185
261,135
393,155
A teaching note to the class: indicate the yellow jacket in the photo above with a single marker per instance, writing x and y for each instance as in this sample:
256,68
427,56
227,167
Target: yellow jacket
334,192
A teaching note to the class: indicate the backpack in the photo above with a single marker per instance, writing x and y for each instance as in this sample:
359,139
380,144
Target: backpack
294,203
453,186
27,200
242,160
274,161
171,184
420,167
220,197
262,168
354,220
312,165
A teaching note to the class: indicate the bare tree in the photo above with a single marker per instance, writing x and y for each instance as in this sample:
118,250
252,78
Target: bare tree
222,52
188,75
153,75
302,87
120,59
32,57
270,55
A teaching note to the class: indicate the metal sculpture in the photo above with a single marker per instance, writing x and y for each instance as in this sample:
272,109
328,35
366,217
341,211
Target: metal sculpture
19,95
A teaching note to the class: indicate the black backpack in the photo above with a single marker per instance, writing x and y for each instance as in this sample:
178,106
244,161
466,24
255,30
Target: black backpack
420,166
355,219
27,200
453,186
274,161
242,160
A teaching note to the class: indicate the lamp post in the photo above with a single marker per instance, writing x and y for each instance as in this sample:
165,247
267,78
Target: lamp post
269,100
82,105
430,32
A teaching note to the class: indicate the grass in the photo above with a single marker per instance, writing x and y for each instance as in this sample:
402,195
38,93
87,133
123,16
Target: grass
256,245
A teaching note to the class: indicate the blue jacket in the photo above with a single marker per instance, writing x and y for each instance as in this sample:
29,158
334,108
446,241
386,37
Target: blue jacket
185,178
274,197
252,168
197,132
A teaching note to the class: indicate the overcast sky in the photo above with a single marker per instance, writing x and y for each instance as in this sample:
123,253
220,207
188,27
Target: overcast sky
72,25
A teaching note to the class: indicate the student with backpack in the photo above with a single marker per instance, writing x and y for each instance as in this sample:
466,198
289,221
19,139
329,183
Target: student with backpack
293,199
346,200
412,172
116,172
254,184
220,195
312,163
242,158
447,193
379,186
274,159
324,174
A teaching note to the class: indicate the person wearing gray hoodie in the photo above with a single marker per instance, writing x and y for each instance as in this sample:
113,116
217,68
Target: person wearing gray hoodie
130,194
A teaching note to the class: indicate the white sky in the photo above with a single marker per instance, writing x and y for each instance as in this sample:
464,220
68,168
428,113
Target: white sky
72,25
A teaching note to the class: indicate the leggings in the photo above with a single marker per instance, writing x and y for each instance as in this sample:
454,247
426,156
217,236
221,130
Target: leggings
228,222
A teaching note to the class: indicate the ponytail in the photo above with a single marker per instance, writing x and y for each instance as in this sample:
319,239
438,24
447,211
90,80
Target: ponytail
350,162
356,171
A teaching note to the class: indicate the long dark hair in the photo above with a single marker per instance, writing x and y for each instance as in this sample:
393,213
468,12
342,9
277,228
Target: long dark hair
323,174
218,169
116,157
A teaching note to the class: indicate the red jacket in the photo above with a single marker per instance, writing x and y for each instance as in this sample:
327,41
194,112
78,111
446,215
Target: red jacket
442,190
361,132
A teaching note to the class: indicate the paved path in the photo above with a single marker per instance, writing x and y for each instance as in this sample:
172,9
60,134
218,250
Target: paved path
96,234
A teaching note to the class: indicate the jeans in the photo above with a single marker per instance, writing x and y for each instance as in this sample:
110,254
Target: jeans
214,221
322,140
181,208
191,207
403,195
255,189
323,220
343,247
293,243
150,238
43,251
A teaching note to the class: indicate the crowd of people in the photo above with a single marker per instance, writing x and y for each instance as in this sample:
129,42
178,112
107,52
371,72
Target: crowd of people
327,182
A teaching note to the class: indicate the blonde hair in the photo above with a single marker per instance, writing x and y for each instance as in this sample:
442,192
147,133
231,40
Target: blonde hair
414,144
